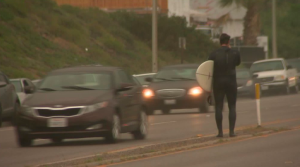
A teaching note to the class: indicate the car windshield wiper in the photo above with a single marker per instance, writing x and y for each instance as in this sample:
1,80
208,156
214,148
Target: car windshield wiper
164,79
47,89
77,88
183,78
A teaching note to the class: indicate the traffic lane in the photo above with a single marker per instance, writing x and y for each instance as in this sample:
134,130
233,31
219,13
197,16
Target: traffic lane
275,150
163,128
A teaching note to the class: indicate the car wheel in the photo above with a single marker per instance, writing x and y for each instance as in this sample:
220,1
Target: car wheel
114,133
23,141
56,140
166,111
204,107
142,130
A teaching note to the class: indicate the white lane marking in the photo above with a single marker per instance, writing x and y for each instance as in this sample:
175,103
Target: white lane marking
6,129
159,123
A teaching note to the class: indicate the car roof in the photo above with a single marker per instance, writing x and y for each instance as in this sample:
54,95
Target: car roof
85,68
268,60
181,66
137,75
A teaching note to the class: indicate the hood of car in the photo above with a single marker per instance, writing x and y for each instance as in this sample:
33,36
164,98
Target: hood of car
67,98
176,84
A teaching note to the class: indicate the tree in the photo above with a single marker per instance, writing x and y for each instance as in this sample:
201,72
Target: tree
251,20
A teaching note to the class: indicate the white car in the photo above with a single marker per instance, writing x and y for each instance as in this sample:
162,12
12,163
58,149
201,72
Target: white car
141,78
23,86
275,74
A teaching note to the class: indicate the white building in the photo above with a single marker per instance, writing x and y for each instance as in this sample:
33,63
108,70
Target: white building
205,12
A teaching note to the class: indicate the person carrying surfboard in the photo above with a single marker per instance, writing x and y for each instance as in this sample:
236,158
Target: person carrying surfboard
224,82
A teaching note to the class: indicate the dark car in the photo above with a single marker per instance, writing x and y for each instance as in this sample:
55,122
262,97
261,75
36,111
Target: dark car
175,87
84,101
9,101
244,82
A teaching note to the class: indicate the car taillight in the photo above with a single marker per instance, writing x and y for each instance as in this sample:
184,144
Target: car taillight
196,91
147,93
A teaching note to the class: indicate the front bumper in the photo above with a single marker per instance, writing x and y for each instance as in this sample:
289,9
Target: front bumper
94,124
273,86
184,102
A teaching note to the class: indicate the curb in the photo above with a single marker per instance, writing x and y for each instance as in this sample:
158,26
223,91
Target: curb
153,150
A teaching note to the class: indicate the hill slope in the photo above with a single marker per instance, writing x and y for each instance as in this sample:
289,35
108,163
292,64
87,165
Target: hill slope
37,36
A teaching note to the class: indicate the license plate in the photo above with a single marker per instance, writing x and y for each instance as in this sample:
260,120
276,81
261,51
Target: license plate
57,122
170,102
264,87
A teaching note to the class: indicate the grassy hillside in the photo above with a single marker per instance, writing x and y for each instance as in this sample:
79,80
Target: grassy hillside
37,36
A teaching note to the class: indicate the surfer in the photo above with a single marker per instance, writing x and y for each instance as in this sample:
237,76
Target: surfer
224,82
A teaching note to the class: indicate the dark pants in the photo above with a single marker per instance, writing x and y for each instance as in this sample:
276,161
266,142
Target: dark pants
225,86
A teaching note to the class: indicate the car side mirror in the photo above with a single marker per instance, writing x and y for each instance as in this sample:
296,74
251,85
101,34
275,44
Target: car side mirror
125,86
28,89
2,84
148,79
289,67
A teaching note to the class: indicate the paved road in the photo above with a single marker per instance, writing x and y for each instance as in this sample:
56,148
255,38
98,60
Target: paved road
280,150
179,125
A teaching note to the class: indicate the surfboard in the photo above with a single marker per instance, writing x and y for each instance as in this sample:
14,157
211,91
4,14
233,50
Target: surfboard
204,75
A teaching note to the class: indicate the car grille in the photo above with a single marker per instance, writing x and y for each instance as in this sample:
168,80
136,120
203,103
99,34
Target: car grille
170,93
267,79
63,112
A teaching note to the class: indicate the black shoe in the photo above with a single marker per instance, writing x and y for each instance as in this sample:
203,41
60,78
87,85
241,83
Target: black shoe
232,135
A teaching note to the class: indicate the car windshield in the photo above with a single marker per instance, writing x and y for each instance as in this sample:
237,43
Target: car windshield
83,81
141,78
17,85
242,74
267,66
176,74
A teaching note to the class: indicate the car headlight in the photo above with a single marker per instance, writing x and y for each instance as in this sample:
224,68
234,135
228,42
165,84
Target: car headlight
147,93
94,107
249,83
279,78
196,91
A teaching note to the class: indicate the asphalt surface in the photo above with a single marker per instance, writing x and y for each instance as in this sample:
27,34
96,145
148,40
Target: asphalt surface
280,150
276,111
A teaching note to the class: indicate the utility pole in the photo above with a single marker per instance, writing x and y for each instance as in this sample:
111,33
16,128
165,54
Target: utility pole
154,36
274,34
